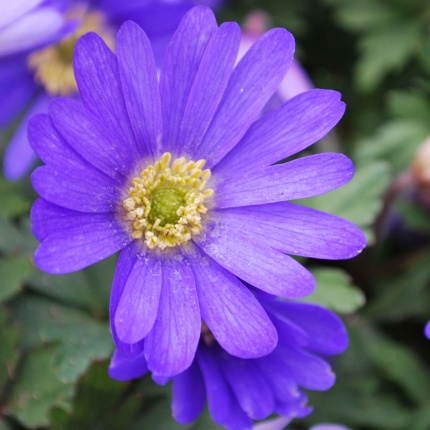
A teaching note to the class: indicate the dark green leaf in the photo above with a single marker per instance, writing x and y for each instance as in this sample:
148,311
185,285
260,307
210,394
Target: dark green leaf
88,289
335,291
159,416
403,291
14,271
399,364
38,389
81,338
12,200
100,402
396,142
8,351
379,55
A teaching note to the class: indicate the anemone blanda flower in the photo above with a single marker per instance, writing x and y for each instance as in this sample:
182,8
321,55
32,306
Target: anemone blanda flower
125,171
238,391
37,39
427,330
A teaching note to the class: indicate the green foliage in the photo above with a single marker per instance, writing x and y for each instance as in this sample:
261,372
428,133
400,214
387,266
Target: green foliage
14,270
58,344
334,291
391,34
81,338
13,202
37,389
378,56
404,291
99,402
398,139
88,289
8,352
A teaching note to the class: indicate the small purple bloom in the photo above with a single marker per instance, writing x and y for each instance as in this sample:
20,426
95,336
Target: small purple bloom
37,39
125,171
238,391
427,330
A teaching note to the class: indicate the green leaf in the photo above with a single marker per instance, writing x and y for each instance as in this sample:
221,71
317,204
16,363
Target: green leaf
395,142
159,416
8,235
4,425
14,271
81,338
385,50
38,389
408,104
424,54
100,402
13,202
397,292
71,289
149,389
398,363
8,351
335,291
16,238
88,289
413,216
364,14
358,201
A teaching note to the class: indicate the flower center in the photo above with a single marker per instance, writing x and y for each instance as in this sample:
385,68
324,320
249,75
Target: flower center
53,65
166,201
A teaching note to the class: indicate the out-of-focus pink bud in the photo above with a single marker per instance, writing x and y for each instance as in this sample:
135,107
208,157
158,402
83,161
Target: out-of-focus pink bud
296,81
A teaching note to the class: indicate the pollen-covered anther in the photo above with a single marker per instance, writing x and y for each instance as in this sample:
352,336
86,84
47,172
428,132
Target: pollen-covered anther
167,201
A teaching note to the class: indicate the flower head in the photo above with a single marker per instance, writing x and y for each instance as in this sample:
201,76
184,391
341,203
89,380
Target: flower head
427,330
238,391
178,173
37,41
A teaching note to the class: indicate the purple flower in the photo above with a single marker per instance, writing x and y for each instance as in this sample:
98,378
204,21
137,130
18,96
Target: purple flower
125,171
37,39
427,330
238,391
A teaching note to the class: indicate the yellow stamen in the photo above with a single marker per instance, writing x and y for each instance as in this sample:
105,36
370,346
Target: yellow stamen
53,65
167,201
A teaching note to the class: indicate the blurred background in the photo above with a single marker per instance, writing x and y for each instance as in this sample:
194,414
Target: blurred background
55,342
